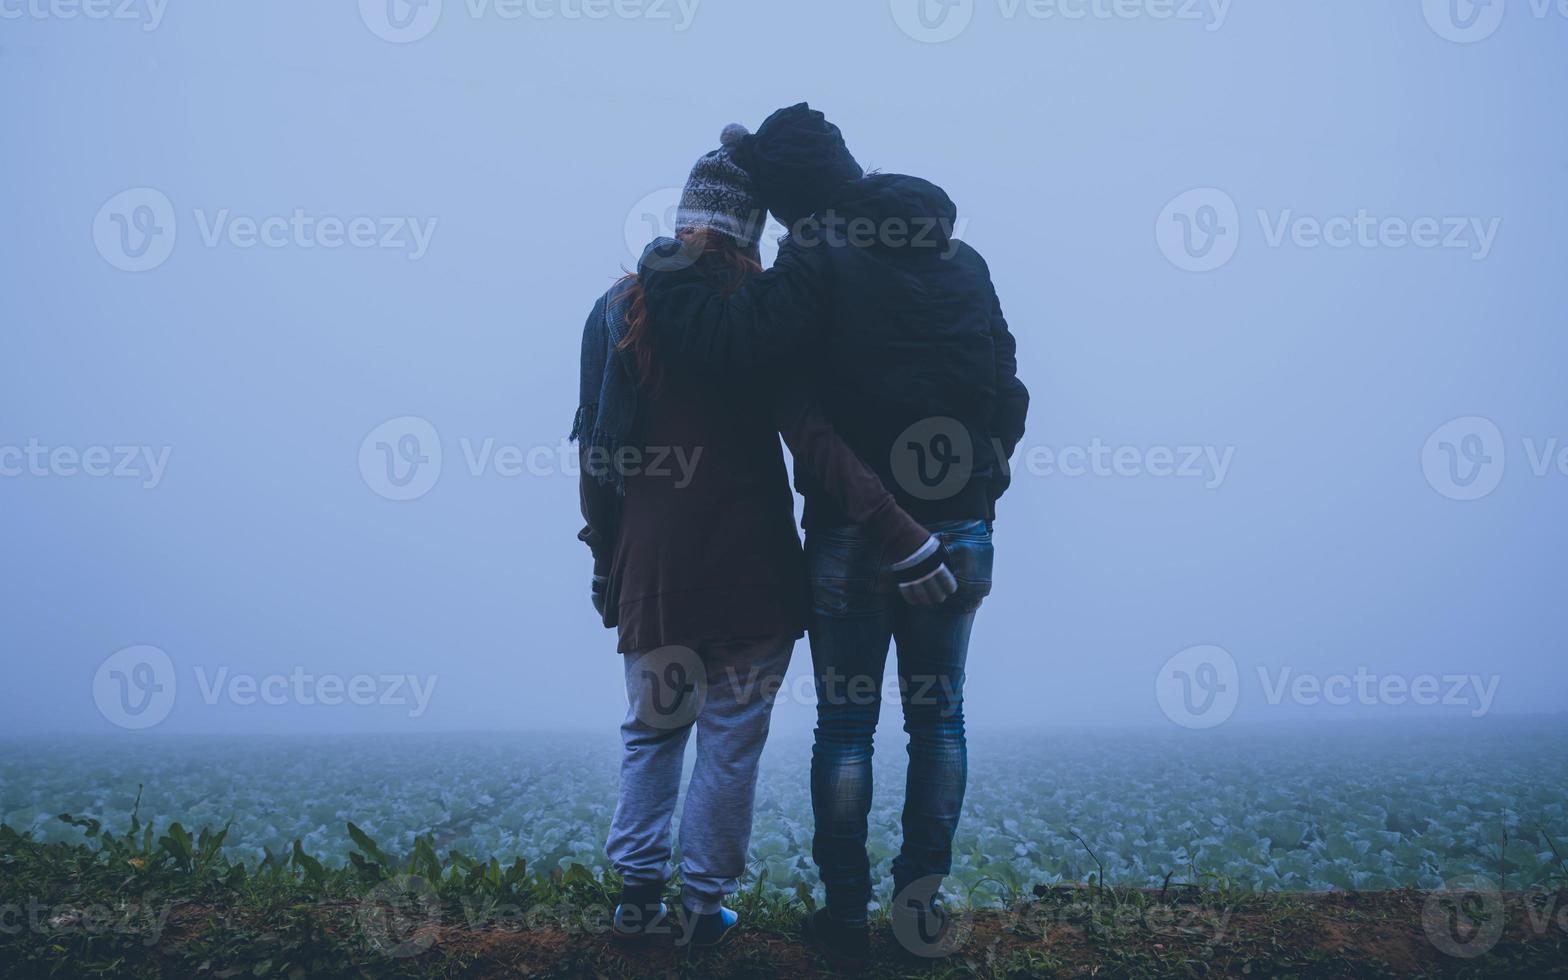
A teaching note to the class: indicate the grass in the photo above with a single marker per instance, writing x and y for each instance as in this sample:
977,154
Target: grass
166,903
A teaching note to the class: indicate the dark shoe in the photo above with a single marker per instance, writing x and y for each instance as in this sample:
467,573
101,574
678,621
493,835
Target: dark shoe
841,944
640,914
924,929
705,931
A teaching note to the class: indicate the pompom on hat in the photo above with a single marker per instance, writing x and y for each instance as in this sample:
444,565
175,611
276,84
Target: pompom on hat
720,195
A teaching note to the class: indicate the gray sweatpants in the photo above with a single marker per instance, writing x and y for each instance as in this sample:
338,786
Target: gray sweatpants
726,690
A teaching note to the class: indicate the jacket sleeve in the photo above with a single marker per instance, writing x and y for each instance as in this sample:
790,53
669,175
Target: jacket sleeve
1012,400
601,508
857,490
776,315
600,505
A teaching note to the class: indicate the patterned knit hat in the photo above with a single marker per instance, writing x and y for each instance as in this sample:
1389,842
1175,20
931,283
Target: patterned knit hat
719,195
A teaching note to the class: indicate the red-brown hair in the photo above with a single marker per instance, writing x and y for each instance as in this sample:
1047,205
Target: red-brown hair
727,265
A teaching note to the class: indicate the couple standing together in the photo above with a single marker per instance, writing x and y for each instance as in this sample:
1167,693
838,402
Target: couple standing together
877,348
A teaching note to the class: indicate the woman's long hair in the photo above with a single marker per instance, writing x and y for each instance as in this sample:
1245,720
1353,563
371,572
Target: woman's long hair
727,265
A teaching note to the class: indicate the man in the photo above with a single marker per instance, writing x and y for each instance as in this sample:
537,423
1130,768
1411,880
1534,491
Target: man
898,328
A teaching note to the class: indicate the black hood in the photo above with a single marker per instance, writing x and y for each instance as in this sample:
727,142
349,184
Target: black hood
890,199
797,160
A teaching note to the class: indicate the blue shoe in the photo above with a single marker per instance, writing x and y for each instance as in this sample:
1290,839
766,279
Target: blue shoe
708,931
640,914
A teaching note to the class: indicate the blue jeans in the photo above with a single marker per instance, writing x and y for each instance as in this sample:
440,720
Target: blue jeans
856,612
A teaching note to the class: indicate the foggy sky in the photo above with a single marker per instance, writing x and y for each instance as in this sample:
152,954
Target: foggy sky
1294,398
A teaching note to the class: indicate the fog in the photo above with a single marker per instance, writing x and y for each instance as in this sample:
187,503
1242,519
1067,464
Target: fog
1305,465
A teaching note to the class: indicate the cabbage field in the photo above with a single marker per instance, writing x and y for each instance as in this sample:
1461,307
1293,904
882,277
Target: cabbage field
1363,806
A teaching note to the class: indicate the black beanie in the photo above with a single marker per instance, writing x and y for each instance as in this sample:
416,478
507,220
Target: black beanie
798,160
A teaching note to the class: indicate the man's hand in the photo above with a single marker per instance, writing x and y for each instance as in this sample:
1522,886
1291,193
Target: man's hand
599,584
924,578
665,255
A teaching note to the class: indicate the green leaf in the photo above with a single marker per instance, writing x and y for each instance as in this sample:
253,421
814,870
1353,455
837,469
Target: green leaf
315,874
368,847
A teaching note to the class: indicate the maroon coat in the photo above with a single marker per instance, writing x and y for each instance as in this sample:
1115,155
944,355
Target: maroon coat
703,546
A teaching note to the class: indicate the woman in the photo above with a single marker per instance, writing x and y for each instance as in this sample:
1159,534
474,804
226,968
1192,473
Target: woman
698,564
